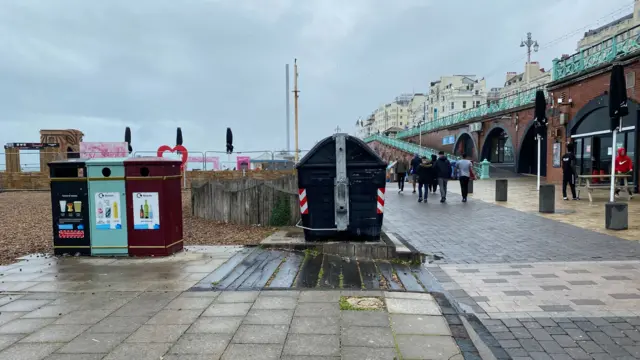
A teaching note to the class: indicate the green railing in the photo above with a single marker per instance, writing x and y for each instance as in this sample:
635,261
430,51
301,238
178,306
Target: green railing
505,103
604,52
416,149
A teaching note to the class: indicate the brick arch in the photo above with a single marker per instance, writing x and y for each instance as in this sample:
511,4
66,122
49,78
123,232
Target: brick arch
493,127
521,164
459,135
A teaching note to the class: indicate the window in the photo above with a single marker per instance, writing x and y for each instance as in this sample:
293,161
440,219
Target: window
477,92
478,103
452,105
443,98
400,123
464,104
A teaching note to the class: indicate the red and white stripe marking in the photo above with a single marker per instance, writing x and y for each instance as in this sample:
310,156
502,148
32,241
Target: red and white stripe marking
304,207
71,234
380,209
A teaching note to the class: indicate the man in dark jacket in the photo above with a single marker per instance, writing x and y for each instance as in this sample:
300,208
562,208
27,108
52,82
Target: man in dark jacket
443,171
415,162
401,171
433,185
425,173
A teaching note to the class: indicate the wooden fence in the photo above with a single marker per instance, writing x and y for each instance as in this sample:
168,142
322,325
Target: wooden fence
245,201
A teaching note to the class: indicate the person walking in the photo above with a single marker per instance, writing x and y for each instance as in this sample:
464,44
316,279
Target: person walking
401,172
425,174
464,170
624,166
569,173
443,171
433,185
415,162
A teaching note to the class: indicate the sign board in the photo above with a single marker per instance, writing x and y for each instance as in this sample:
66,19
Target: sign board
449,140
31,146
99,150
108,211
208,159
146,211
243,162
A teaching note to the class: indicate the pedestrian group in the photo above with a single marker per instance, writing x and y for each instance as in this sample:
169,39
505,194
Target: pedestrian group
433,173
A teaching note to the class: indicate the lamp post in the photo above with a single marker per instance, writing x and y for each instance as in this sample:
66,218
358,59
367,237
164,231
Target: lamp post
528,44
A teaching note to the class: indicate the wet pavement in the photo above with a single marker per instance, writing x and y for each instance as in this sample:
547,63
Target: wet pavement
535,287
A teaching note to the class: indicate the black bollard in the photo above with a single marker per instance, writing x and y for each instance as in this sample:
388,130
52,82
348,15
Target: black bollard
501,189
547,199
616,216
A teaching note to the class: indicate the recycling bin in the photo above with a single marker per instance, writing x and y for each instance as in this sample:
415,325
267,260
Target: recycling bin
107,204
69,207
341,187
154,206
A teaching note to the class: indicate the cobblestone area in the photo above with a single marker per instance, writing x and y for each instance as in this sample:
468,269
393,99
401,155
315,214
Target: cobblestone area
567,338
478,232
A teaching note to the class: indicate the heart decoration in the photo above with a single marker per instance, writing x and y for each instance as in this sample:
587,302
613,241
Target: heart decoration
178,148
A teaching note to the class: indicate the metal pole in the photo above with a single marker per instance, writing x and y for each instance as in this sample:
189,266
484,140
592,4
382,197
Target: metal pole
539,141
295,103
288,105
613,166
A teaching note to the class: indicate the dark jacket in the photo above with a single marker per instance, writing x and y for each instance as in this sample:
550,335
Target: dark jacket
443,168
415,162
401,167
426,173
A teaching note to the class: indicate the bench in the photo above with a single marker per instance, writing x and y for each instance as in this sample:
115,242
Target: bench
586,181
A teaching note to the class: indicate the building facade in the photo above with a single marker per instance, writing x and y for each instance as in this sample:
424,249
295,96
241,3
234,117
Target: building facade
621,25
418,109
393,116
532,77
455,93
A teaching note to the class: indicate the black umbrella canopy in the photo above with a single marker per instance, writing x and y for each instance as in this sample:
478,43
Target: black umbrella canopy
179,137
229,141
617,96
540,113
127,138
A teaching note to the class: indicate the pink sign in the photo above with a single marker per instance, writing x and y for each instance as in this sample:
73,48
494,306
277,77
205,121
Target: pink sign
243,162
94,150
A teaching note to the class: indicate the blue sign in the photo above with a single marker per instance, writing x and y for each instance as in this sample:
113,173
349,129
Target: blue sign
449,140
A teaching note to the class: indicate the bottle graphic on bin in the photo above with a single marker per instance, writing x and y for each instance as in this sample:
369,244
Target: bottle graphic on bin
146,210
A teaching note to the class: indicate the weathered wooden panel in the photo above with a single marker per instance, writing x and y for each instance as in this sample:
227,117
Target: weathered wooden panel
245,201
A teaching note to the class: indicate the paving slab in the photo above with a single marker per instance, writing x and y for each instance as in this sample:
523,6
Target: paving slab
174,317
329,325
252,352
419,325
116,324
216,325
359,353
237,309
312,345
157,333
211,345
141,351
426,347
364,318
27,351
261,334
268,317
93,343
415,307
25,326
56,333
367,336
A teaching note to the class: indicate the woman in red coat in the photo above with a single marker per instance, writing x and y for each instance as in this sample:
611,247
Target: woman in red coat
624,165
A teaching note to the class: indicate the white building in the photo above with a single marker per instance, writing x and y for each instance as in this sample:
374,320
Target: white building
418,109
455,93
532,77
616,27
392,117
364,127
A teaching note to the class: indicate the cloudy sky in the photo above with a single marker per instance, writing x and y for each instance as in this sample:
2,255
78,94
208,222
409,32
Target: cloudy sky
206,65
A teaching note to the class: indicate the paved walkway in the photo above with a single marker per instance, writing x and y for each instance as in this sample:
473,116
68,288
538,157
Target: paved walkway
540,288
228,325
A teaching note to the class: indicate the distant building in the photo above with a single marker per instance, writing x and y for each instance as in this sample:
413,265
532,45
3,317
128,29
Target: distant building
616,27
455,93
394,115
418,109
532,77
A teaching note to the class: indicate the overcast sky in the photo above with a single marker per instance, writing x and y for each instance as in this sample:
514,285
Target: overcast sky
206,65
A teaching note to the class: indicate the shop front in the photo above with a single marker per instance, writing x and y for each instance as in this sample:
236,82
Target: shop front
593,141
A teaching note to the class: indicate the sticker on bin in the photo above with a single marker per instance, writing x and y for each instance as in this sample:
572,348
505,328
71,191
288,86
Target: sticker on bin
108,211
71,234
146,211
304,207
380,209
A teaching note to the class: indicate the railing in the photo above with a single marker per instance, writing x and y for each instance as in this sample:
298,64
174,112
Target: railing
416,149
502,104
604,52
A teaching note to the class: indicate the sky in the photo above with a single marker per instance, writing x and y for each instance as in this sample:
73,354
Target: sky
205,65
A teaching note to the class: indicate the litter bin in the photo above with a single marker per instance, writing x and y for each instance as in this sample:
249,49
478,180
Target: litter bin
341,186
107,206
70,213
154,206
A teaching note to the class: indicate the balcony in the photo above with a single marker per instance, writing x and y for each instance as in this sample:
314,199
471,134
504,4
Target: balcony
607,51
502,104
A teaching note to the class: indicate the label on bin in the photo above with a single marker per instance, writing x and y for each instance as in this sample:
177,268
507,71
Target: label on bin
108,211
146,211
69,216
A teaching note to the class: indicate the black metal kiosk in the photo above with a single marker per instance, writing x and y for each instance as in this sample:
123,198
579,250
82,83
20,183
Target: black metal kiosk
70,207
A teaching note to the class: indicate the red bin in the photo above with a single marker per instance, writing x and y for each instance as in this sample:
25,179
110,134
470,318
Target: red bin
154,206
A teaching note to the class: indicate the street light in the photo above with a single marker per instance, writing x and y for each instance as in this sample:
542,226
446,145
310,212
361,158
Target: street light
528,44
